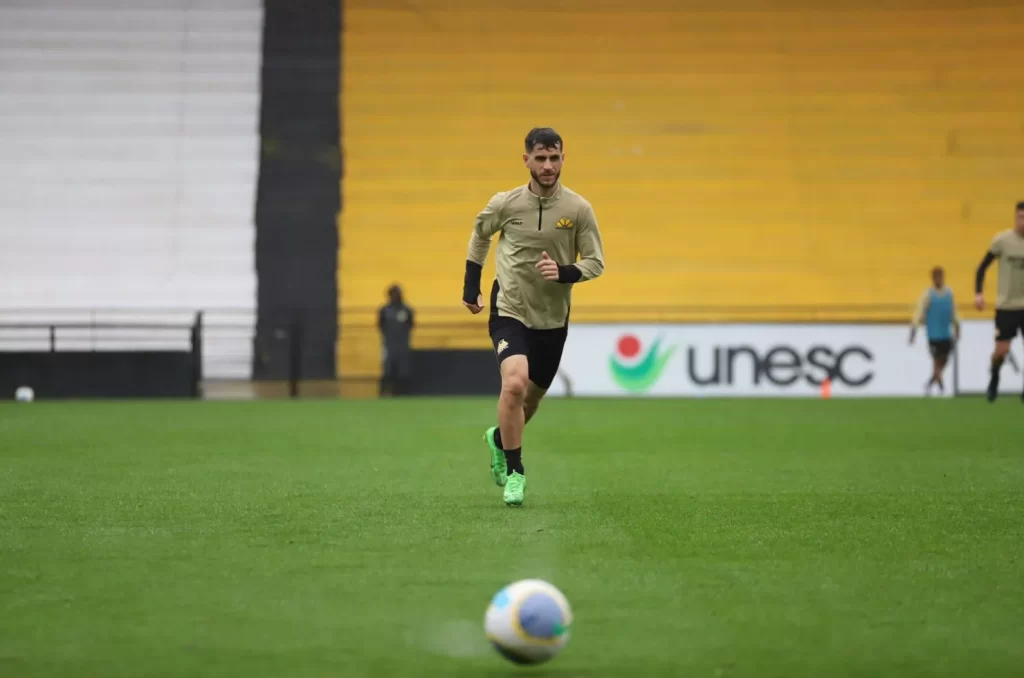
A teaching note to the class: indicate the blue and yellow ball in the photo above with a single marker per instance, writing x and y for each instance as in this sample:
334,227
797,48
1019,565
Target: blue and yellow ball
528,621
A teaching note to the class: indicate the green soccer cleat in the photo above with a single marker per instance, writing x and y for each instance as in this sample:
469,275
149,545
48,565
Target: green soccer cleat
498,470
515,489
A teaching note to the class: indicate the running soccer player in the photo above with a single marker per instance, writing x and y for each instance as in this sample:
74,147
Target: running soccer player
1008,248
937,311
544,229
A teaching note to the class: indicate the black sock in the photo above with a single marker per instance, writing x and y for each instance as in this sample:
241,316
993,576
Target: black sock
992,392
497,438
514,461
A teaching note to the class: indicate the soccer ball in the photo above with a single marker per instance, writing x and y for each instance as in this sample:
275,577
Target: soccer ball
24,394
528,621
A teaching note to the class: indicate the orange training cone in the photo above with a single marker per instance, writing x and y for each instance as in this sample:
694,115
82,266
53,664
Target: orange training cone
826,388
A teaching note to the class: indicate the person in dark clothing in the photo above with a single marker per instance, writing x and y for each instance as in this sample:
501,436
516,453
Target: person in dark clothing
395,322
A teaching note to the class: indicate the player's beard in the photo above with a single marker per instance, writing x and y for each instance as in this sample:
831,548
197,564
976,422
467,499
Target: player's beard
554,180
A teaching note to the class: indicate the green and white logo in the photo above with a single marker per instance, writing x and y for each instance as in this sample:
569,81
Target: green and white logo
635,370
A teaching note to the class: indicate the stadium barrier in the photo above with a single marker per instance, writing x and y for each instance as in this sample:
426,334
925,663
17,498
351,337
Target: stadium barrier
457,372
137,360
744,357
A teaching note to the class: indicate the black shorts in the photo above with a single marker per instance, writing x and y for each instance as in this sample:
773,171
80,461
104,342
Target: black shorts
542,348
1008,323
940,348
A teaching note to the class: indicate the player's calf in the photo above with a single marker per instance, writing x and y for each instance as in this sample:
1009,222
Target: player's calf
998,356
511,409
531,403
511,402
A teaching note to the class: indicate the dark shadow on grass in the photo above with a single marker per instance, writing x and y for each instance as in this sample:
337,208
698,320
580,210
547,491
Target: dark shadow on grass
545,670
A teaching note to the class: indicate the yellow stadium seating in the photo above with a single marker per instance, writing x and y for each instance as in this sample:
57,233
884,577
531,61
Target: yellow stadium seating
746,159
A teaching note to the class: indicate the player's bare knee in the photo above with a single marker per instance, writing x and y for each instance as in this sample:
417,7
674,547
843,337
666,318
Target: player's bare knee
515,375
1002,348
513,389
513,385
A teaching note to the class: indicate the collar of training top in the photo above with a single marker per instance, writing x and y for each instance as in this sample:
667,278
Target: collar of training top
536,199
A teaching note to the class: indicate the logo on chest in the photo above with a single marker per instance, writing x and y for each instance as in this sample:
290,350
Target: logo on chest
564,222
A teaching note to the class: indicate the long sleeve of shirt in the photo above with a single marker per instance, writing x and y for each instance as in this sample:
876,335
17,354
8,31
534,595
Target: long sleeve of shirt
979,275
488,222
589,247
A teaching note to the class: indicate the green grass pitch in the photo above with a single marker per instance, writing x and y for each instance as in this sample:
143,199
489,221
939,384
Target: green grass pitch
693,538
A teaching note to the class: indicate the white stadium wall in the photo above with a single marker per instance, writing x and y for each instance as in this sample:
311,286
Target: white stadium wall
130,136
768,360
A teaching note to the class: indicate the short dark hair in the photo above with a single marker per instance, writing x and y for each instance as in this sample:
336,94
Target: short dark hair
1020,206
545,137
937,270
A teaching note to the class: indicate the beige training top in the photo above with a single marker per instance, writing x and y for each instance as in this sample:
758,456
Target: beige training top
563,225
1008,247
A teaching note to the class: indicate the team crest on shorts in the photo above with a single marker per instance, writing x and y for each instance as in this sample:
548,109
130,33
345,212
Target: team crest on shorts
502,345
564,222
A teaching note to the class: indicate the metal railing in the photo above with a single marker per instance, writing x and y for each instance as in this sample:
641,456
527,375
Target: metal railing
232,346
455,315
226,334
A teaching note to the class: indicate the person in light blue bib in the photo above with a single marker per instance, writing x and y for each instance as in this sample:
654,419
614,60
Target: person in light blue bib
936,310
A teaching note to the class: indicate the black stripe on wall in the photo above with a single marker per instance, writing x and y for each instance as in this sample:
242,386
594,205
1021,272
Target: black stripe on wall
298,192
